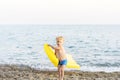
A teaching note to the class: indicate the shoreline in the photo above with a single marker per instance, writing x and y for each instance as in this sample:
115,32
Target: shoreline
23,72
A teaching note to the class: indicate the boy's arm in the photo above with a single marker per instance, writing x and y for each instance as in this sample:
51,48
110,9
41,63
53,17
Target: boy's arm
51,46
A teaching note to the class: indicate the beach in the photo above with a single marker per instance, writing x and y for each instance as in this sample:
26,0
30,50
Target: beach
95,48
22,72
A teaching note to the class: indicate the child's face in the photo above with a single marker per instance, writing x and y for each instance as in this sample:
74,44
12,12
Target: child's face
59,42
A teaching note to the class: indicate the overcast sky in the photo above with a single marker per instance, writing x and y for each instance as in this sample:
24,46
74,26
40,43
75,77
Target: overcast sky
59,11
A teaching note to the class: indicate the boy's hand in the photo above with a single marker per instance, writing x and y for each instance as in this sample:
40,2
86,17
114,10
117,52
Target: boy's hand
48,44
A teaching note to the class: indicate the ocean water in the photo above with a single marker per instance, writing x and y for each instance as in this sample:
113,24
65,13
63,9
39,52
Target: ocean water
94,47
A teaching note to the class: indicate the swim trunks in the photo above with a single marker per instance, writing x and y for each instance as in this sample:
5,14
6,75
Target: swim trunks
62,62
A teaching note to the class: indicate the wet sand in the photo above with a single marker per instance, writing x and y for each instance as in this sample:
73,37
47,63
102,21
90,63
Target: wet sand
21,72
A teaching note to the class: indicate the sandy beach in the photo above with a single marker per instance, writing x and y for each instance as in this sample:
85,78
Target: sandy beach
21,72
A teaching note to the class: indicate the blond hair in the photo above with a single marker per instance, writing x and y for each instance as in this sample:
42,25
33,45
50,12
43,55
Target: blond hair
60,38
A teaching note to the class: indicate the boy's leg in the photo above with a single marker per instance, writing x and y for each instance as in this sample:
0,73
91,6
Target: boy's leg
59,71
62,71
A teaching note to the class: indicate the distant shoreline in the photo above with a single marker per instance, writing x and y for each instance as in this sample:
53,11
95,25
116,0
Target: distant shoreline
22,72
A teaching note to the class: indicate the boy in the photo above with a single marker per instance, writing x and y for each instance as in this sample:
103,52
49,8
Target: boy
60,54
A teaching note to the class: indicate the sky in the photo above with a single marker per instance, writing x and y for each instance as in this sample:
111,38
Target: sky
60,12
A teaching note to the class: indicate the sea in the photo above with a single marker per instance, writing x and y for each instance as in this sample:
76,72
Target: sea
93,47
